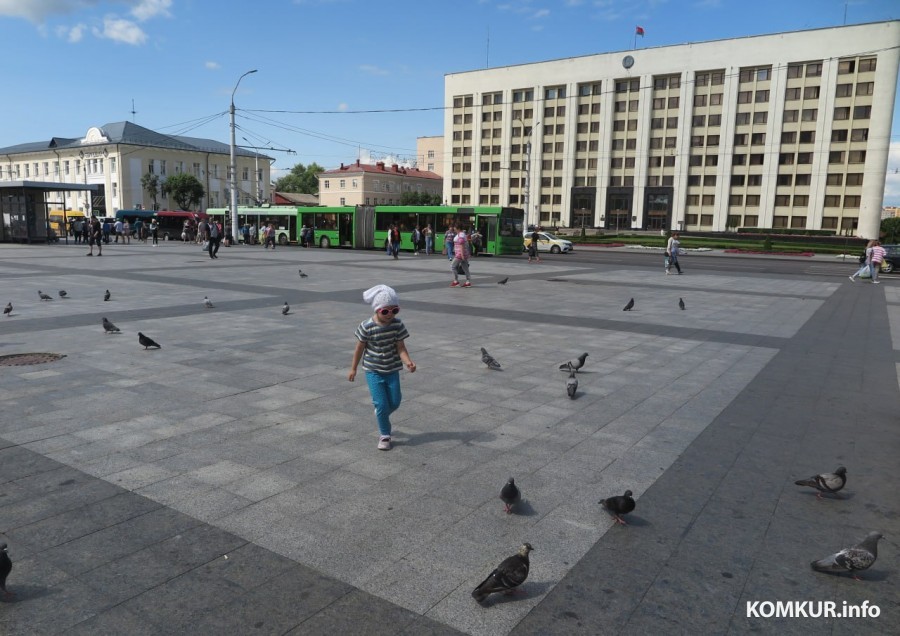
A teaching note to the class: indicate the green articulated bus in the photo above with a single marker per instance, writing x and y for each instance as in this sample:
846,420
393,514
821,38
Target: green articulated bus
365,227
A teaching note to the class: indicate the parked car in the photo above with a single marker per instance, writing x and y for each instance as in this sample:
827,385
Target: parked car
549,243
891,258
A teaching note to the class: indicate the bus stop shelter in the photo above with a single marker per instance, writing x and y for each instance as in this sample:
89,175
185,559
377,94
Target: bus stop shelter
24,209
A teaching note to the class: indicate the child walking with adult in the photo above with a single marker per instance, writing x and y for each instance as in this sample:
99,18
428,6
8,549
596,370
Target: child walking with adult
874,257
382,348
672,248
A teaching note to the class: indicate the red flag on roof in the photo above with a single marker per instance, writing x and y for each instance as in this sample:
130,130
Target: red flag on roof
639,31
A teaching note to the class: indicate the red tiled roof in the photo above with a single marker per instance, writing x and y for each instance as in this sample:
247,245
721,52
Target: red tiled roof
381,168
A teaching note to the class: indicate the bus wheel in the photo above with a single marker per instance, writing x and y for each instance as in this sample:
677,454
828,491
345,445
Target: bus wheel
282,239
324,242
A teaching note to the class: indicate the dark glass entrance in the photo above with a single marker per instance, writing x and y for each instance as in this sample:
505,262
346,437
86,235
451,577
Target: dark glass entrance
583,204
618,208
658,208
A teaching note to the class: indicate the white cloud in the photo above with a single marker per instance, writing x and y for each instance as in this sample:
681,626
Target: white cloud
342,106
540,13
73,34
121,30
147,9
211,65
372,69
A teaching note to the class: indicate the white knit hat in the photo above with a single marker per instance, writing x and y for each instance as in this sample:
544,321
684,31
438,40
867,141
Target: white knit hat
381,296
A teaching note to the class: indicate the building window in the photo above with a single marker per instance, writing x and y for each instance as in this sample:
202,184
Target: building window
801,200
794,71
814,69
782,200
862,112
792,116
836,157
788,138
834,179
832,200
791,94
162,167
758,139
151,168
867,65
856,156
809,114
811,92
807,136
846,67
851,201
844,90
245,173
855,179
762,97
327,184
841,113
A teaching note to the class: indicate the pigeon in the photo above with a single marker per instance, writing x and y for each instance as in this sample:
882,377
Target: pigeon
488,359
44,296
618,506
573,364
5,569
8,310
572,384
507,576
286,309
629,306
510,494
681,304
147,342
302,275
62,293
208,302
826,482
109,327
300,271
504,281
106,296
859,557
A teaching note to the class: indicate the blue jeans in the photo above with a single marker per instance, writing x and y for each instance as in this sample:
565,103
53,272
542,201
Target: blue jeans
429,245
385,391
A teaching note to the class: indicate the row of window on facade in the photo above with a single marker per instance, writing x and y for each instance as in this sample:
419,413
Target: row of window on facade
712,78
378,186
51,169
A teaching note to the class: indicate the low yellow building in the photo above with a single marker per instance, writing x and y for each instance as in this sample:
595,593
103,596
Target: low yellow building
375,184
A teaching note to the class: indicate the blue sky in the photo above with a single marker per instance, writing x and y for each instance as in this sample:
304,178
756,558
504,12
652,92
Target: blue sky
72,64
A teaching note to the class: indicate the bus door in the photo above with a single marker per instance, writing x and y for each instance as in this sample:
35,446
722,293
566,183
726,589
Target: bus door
487,226
345,229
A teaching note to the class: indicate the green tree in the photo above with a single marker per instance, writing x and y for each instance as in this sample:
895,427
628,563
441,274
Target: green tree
185,188
150,183
304,179
890,230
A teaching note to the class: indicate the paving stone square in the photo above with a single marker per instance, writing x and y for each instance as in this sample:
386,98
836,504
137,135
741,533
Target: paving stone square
229,482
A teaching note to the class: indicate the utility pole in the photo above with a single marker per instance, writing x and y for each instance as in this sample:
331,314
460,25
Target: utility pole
233,166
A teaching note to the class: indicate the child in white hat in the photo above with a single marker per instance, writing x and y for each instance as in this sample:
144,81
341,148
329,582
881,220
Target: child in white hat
381,347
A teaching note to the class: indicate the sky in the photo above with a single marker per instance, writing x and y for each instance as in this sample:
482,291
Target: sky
73,64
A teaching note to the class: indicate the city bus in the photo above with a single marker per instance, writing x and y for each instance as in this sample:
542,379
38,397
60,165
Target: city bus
283,217
340,226
501,228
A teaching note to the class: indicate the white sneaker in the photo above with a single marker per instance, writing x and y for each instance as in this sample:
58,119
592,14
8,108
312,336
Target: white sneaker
384,444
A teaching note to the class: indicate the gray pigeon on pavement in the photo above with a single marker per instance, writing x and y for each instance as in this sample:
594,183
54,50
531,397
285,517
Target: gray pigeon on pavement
208,302
62,293
109,327
286,309
44,296
572,384
8,310
859,557
574,364
488,359
147,342
681,304
826,482
507,576
629,306
619,505
510,495
504,281
106,296
5,569
302,275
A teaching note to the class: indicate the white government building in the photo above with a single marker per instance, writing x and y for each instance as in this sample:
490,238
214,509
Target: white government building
789,130
114,157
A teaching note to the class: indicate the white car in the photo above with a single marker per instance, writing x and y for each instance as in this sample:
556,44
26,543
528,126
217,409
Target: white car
549,243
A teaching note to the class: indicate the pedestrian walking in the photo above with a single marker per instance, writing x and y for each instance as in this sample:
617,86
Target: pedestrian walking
429,239
95,236
381,345
673,245
416,238
533,246
119,230
215,235
449,235
395,241
461,253
270,236
865,262
126,232
138,230
154,232
78,227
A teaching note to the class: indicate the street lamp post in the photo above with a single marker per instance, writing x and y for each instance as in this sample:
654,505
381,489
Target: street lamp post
527,185
233,167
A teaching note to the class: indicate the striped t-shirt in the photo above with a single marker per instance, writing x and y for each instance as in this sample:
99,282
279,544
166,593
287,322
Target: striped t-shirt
381,341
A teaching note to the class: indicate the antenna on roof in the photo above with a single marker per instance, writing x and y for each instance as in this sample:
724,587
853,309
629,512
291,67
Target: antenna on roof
133,111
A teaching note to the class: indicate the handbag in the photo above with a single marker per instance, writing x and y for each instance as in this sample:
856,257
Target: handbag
866,273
